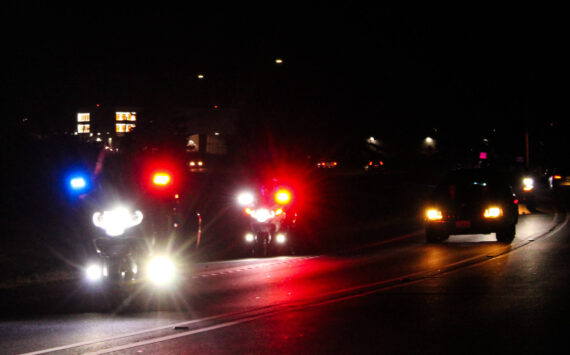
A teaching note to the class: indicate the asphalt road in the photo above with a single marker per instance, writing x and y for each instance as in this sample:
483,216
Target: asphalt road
398,295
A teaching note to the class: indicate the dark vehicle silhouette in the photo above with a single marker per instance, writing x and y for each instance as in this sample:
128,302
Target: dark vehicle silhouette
477,201
558,178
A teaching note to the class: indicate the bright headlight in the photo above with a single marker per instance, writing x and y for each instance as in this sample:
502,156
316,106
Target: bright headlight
245,198
262,215
433,214
117,220
528,184
161,270
493,212
280,238
94,272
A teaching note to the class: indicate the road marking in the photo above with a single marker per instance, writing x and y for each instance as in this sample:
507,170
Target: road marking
231,270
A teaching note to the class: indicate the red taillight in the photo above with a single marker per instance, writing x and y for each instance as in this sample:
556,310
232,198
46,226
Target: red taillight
557,177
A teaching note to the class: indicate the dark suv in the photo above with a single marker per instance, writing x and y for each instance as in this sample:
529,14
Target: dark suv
476,201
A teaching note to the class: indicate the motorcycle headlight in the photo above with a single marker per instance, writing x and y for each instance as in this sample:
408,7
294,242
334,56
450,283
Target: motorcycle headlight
117,220
94,272
161,270
249,237
245,199
280,238
262,215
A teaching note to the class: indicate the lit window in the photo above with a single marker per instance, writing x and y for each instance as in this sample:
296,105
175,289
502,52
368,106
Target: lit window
83,117
124,127
125,116
83,128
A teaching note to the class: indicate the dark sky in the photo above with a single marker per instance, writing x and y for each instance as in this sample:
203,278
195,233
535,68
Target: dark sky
373,67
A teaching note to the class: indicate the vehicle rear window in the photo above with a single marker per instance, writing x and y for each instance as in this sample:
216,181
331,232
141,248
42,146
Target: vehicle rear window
471,186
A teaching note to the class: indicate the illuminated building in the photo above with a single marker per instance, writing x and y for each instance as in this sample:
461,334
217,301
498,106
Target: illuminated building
98,123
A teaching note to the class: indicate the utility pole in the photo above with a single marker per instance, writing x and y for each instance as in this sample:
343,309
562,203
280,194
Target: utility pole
527,149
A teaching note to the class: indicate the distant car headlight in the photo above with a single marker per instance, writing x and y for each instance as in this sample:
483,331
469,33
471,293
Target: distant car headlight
161,270
493,212
433,214
528,184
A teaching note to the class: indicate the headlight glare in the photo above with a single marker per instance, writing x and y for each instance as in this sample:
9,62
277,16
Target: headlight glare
493,212
245,199
433,214
94,272
161,270
280,238
528,184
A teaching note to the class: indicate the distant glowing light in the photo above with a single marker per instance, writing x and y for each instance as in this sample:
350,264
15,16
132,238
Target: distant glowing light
245,198
78,183
200,76
262,215
493,212
94,272
249,237
161,270
161,179
434,214
278,61
117,220
283,196
280,238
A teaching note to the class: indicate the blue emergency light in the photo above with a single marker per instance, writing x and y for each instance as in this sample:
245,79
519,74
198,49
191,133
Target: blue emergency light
78,183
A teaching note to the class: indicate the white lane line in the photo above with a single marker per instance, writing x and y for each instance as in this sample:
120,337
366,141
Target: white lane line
184,323
179,335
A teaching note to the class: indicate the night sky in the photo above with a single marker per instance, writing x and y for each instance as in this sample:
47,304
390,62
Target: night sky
347,68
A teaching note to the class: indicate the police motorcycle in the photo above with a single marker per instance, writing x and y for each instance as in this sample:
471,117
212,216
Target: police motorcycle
127,234
126,256
271,219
